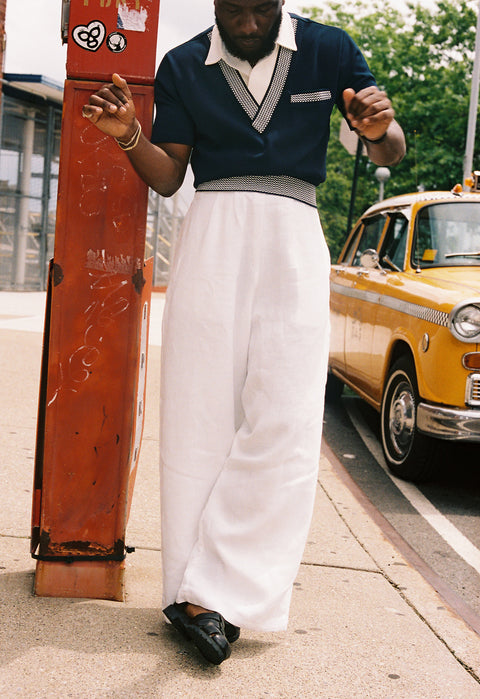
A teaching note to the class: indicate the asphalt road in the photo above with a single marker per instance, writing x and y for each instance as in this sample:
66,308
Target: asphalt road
439,520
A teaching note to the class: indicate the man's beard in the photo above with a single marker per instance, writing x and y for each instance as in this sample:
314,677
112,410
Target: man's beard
265,48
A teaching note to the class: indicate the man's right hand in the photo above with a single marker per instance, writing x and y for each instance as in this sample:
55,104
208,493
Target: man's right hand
112,110
161,166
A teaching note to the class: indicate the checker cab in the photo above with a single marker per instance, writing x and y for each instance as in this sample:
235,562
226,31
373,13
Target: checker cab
405,316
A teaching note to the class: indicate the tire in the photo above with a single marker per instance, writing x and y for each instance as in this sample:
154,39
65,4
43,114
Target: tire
333,389
409,454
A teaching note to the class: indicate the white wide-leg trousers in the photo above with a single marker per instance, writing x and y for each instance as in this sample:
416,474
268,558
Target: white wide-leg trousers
244,359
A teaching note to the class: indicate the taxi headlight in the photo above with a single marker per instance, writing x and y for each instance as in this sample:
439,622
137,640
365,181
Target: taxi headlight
464,321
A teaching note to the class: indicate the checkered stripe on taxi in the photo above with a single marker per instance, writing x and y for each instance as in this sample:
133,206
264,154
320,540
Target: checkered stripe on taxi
430,315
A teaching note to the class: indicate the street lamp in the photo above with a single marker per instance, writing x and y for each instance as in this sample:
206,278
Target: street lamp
383,175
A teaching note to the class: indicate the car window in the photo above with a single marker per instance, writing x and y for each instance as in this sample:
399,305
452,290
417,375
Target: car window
392,253
352,245
447,234
370,236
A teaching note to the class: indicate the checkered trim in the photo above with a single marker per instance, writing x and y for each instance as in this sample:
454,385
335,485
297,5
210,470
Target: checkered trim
260,116
319,96
280,185
430,315
275,90
239,89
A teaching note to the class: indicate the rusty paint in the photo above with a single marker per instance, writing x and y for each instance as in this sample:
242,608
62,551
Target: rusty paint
138,281
57,274
78,549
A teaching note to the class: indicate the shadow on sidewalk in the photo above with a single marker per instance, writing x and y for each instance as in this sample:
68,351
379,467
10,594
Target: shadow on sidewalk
77,631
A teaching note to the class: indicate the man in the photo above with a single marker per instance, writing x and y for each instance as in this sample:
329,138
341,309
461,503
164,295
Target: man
245,346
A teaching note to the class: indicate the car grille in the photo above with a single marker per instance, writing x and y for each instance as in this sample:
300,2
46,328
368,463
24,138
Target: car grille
472,396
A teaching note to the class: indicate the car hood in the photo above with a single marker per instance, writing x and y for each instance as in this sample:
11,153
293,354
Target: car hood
465,281
441,288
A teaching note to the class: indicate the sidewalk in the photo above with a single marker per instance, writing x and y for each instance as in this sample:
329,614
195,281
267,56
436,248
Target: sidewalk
363,622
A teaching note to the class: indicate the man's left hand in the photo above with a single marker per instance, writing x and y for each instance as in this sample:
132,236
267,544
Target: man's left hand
369,111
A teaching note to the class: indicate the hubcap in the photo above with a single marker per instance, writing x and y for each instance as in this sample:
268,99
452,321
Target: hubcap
401,420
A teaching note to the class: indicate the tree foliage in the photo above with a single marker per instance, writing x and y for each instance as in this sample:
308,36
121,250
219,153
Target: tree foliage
423,58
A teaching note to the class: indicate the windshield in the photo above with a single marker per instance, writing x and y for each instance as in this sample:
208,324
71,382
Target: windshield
447,235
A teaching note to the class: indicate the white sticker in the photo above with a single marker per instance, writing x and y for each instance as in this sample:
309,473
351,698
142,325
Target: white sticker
132,20
91,36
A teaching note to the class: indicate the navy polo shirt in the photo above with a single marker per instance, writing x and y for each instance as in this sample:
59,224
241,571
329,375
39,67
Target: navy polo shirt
211,109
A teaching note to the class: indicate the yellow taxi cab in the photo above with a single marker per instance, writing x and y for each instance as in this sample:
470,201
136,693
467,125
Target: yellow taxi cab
405,317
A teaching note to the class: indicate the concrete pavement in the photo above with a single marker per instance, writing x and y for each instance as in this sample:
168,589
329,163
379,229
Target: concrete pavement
363,622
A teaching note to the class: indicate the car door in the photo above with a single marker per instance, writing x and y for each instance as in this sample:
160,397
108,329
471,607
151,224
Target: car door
361,308
385,281
341,281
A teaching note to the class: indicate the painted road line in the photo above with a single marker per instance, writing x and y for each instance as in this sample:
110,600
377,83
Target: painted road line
442,525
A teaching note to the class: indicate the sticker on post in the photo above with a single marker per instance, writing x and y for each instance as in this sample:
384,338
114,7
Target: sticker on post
90,36
116,42
132,20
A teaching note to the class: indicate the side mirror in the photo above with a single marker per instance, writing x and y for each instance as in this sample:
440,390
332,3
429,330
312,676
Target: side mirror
369,259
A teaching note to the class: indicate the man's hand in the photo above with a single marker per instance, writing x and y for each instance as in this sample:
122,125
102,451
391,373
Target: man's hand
369,111
371,114
162,166
112,110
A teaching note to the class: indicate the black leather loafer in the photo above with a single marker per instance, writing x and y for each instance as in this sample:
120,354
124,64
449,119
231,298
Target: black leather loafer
209,631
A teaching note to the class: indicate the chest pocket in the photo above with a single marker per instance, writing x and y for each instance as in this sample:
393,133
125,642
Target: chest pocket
318,96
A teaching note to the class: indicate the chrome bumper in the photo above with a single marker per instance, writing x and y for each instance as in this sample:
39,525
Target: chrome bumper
449,423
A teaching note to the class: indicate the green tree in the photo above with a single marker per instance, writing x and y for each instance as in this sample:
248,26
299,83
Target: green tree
423,57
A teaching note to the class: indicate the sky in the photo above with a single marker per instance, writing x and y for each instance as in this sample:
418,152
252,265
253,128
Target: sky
33,32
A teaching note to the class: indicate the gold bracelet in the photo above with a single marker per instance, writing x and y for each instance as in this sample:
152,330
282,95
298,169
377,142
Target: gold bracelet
128,143
133,142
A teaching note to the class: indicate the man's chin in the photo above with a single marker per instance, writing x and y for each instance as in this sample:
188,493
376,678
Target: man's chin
252,52
251,55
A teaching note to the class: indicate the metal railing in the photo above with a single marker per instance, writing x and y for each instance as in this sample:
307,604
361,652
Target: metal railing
165,217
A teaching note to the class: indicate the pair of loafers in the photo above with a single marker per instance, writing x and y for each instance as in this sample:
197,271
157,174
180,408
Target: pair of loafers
210,632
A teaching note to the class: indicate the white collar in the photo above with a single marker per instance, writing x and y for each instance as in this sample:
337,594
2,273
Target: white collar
286,38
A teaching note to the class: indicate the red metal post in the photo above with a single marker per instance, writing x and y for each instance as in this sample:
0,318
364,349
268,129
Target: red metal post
95,342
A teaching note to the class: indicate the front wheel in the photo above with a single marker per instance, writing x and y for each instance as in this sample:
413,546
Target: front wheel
409,454
333,389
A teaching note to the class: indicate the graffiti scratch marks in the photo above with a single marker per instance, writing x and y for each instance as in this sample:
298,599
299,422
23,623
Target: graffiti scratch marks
120,264
95,180
99,315
108,3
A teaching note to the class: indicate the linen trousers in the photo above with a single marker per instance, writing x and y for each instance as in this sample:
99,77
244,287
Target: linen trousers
244,362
